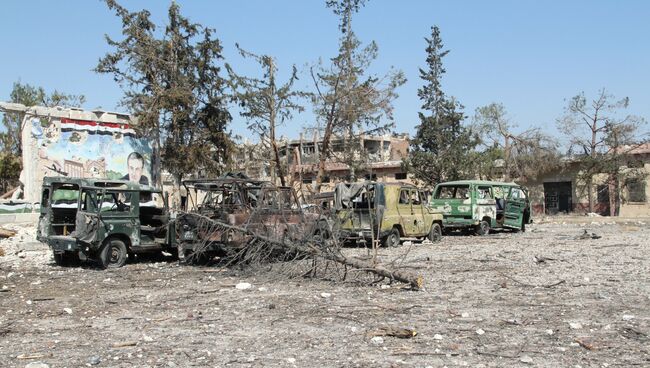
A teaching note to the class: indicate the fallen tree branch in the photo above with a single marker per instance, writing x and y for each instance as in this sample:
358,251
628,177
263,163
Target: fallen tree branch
313,249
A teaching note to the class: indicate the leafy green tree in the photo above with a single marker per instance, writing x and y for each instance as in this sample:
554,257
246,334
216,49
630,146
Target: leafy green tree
173,86
442,147
28,95
526,155
349,100
265,104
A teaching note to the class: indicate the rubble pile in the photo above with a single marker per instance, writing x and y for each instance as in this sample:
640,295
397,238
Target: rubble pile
22,249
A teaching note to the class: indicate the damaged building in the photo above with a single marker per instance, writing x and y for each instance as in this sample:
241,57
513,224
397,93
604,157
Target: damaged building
563,191
379,159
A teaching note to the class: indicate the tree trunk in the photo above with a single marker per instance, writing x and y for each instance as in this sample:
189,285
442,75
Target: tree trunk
274,145
323,155
176,195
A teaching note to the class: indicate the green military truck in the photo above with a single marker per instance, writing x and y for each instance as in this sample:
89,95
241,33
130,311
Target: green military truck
481,205
386,212
102,220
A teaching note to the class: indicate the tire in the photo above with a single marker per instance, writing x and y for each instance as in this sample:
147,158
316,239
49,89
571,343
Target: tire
483,228
113,254
392,239
435,234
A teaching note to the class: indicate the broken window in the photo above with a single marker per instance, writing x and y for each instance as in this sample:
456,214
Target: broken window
400,176
404,196
45,199
635,190
115,202
452,192
484,193
65,196
415,197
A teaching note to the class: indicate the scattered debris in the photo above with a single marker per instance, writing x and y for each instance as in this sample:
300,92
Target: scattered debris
542,259
94,360
526,359
402,333
243,286
575,325
377,340
125,344
585,343
5,233
585,235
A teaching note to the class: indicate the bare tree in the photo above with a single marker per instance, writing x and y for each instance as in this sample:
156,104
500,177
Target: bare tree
347,100
265,104
601,135
525,154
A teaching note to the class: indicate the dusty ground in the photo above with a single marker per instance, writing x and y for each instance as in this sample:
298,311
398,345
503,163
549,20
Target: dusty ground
488,302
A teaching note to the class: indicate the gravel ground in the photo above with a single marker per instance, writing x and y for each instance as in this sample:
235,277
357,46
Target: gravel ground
542,298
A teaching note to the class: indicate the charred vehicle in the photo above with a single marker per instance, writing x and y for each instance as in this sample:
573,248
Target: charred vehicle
258,206
385,212
482,205
102,220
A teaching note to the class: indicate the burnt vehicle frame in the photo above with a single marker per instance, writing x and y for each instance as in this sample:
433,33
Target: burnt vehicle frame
385,212
259,206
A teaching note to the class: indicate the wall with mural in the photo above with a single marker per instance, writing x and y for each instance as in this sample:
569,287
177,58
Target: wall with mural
83,144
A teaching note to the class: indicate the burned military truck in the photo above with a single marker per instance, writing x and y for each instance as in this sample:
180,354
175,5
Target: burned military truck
257,206
102,220
385,212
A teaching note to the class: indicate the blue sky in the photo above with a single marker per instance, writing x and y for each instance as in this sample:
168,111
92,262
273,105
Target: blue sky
529,55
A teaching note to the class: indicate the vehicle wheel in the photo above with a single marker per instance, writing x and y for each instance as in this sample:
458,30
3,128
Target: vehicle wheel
113,254
392,239
435,235
483,228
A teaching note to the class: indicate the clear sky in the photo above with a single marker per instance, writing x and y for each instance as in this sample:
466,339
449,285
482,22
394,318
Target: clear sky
529,55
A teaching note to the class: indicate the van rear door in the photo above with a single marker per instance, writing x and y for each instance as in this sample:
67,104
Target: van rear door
515,206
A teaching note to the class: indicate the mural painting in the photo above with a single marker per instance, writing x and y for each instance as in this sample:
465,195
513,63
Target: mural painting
91,149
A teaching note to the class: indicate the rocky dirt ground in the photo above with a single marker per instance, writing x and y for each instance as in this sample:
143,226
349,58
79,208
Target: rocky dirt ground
548,297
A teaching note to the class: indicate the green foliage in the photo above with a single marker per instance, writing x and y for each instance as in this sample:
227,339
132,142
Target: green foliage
349,100
11,150
10,166
442,147
28,95
173,86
